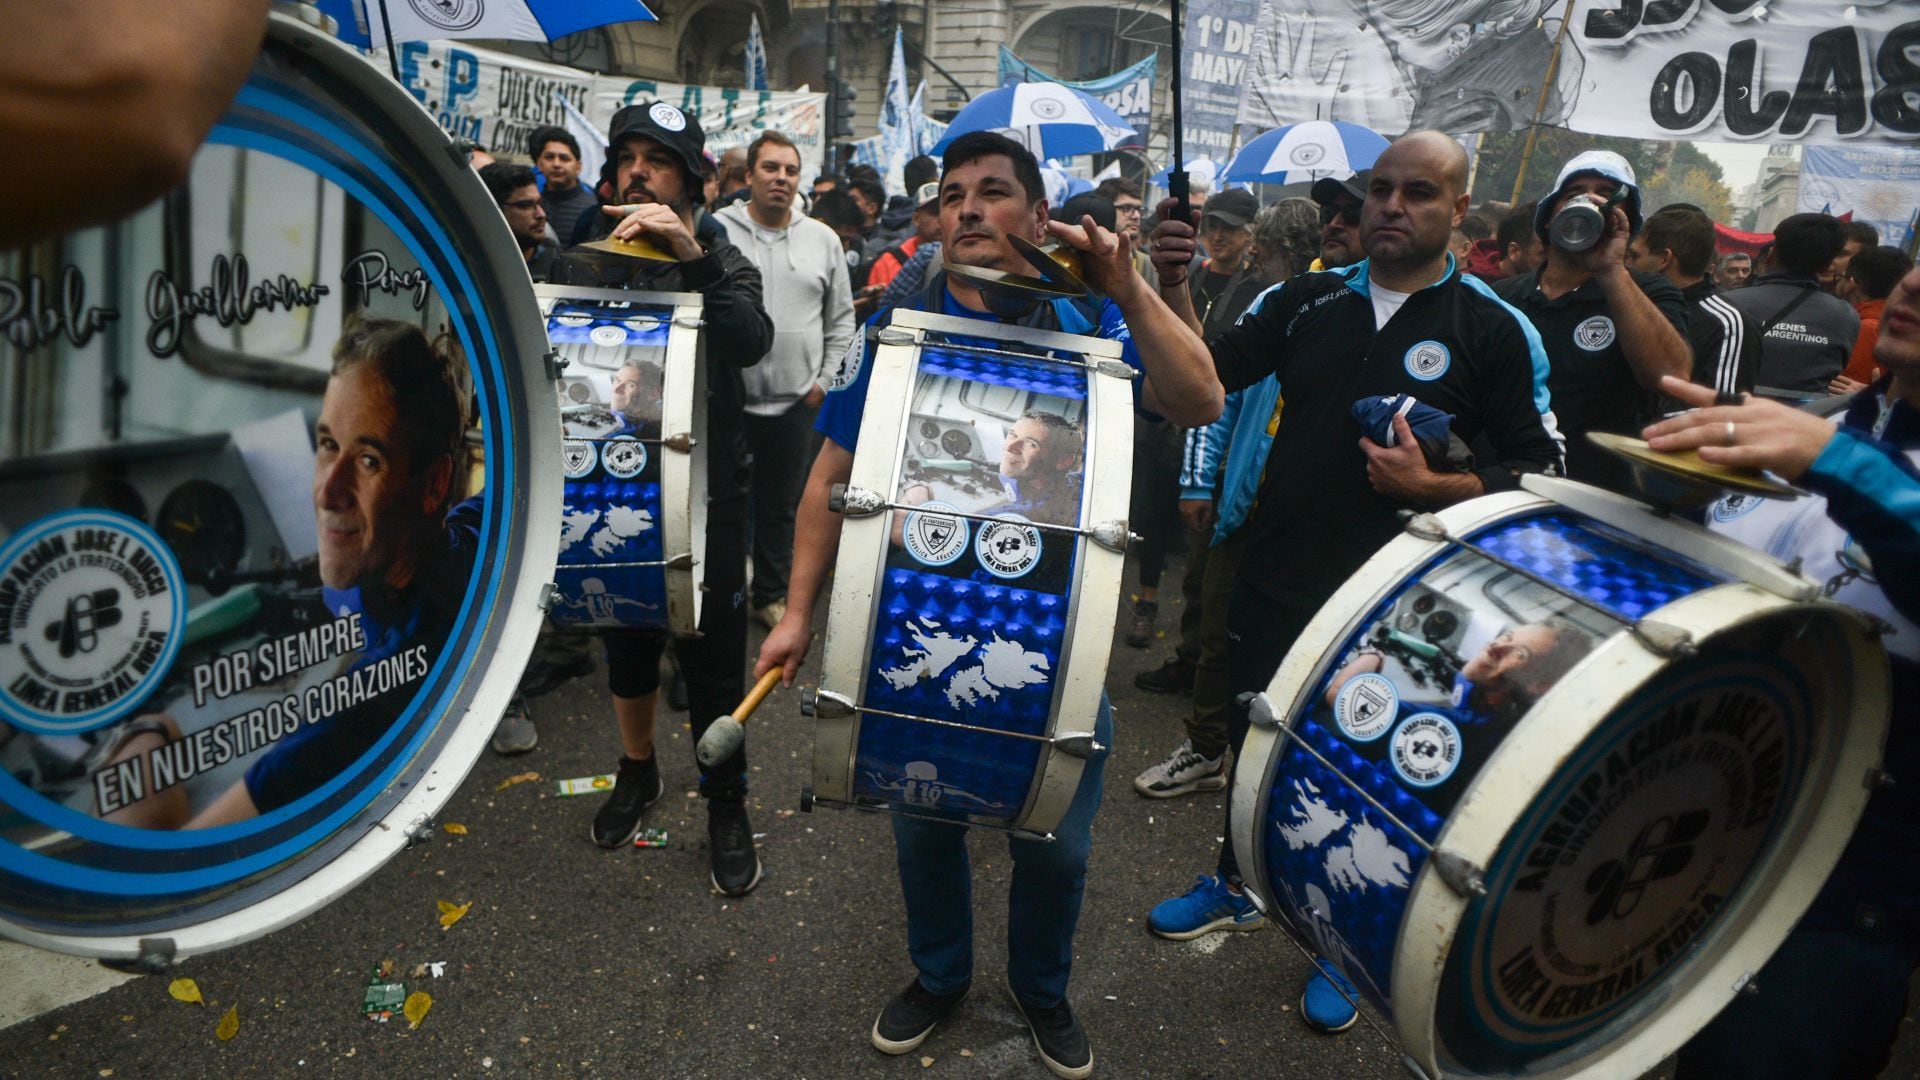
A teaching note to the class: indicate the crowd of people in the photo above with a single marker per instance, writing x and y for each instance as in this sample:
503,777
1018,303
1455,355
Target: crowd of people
1256,328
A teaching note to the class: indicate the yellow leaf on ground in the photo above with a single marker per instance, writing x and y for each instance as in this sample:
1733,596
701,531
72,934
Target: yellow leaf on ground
229,1024
415,1010
516,778
186,990
454,828
452,913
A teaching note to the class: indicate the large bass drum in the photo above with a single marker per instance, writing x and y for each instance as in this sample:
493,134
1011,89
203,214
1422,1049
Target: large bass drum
1552,776
634,525
978,575
260,608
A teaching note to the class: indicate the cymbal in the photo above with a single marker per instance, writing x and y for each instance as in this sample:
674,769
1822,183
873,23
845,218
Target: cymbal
1682,478
645,246
988,276
1057,271
1056,262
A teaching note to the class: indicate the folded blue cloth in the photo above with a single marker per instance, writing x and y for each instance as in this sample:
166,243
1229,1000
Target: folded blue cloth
1432,429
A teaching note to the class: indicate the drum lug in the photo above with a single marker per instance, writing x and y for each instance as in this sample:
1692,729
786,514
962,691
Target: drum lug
1119,369
893,336
1078,744
689,322
806,799
854,501
1878,778
1746,984
1664,638
1112,535
1424,526
555,362
825,705
419,831
682,443
1460,875
1260,710
155,958
682,561
548,594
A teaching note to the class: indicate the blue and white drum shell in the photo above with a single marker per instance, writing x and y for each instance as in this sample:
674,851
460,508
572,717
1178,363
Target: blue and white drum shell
972,613
1550,802
633,459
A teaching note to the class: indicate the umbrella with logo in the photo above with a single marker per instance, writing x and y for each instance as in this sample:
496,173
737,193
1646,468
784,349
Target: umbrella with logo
363,22
1052,120
1305,152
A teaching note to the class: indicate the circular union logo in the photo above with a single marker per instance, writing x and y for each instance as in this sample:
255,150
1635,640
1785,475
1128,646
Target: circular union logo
1594,334
623,456
576,458
935,539
608,335
1733,507
450,14
574,320
1307,154
1426,749
1366,706
1009,548
667,116
1047,108
1428,360
92,609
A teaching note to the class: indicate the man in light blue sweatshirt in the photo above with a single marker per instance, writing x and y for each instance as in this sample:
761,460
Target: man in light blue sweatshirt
810,300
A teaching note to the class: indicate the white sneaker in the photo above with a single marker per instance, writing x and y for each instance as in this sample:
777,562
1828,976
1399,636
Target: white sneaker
769,615
1183,772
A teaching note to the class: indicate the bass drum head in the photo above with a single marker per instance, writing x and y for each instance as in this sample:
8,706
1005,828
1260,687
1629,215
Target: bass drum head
221,717
1669,854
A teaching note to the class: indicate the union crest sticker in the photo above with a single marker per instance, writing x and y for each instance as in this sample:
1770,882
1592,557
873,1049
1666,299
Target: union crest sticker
1428,360
1594,334
933,538
92,609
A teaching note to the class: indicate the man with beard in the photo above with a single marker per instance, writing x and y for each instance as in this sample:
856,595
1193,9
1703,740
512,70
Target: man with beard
514,192
991,189
1404,320
658,165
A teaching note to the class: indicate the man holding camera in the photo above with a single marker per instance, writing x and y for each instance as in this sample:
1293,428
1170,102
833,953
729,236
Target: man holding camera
1609,332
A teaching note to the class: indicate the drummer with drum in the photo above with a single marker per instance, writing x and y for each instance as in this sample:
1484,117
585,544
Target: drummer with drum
991,191
660,163
1405,320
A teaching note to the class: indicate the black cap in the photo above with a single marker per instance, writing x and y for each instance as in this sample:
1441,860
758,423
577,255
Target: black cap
666,124
1327,190
1099,207
1235,206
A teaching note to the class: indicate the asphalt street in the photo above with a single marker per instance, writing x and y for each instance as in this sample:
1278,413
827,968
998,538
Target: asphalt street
575,960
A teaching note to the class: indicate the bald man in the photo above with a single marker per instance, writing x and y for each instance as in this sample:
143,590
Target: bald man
1404,320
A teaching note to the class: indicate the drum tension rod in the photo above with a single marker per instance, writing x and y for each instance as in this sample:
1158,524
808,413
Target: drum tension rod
1663,639
828,705
810,800
681,443
862,502
1119,369
682,561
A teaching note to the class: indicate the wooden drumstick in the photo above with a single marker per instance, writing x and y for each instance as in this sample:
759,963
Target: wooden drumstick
725,735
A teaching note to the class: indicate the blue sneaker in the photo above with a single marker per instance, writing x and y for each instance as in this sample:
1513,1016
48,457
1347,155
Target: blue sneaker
1323,1006
1210,905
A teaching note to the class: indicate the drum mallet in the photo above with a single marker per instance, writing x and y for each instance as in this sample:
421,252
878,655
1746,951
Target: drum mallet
725,735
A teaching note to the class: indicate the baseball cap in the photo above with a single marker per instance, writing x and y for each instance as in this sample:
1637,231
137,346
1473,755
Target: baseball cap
928,193
1235,206
666,124
1592,163
1327,190
1099,207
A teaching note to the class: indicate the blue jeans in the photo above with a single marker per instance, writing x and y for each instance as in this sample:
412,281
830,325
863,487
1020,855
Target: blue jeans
1043,906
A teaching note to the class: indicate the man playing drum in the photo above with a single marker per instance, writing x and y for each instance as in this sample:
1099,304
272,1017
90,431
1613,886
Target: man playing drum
657,151
1404,320
991,189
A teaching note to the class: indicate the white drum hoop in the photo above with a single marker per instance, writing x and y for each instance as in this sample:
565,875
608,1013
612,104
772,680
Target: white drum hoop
861,563
682,444
1784,878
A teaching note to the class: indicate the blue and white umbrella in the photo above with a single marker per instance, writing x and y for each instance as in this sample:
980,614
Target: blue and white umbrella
1307,151
1052,120
376,22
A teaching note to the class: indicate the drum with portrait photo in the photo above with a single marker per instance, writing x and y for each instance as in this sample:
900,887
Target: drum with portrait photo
1553,774
978,573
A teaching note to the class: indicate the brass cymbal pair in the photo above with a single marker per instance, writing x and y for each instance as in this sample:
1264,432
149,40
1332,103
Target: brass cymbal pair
644,246
1058,270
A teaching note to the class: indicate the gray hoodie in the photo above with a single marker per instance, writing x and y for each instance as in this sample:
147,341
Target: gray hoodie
808,296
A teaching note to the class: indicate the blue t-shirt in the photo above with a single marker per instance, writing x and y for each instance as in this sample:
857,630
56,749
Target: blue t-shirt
840,414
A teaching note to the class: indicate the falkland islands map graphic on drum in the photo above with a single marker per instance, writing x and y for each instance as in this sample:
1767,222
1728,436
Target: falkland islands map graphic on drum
960,632
265,485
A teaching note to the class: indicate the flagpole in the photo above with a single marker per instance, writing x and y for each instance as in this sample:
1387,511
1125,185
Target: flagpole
1540,106
1177,176
393,54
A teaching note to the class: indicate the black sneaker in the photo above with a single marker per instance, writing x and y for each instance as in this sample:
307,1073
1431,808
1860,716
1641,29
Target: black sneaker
635,787
736,865
1173,677
1140,632
677,691
911,1016
1058,1036
545,676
